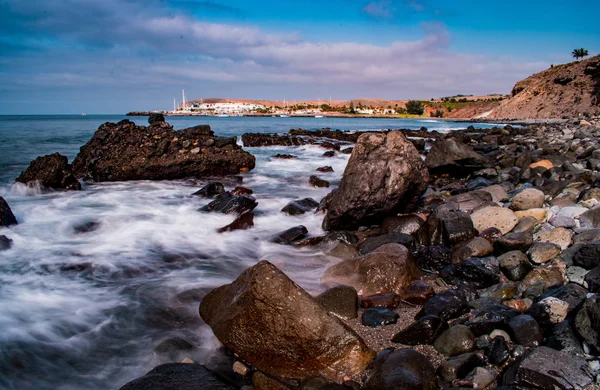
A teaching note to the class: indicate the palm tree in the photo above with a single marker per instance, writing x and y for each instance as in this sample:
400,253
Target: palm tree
579,53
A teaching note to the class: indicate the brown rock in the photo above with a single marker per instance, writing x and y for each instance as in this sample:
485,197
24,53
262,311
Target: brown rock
388,300
51,171
418,292
538,214
315,181
244,221
501,218
543,163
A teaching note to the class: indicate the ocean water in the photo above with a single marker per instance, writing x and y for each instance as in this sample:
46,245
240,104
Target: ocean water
87,310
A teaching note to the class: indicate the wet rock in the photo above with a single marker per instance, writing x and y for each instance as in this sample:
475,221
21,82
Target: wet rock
390,268
514,242
587,323
401,369
7,217
173,346
125,151
542,252
418,292
489,315
498,354
374,242
455,341
284,156
385,175
389,300
446,227
588,255
590,219
446,305
501,218
479,272
526,224
341,301
545,368
243,222
549,311
344,251
325,169
433,258
514,265
211,190
51,171
525,330
529,198
454,158
562,338
559,236
241,191
297,207
178,376
290,235
321,384
501,291
329,153
592,278
548,276
423,331
476,247
460,366
481,377
376,317
251,316
5,243
571,293
87,227
407,224
491,234
229,204
521,305
315,181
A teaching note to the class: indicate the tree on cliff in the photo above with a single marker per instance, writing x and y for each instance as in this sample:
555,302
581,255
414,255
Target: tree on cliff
579,53
415,107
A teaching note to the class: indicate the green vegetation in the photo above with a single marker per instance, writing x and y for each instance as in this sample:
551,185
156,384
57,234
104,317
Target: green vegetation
415,107
580,53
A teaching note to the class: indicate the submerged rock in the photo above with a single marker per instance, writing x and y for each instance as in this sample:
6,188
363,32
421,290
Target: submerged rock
51,171
229,204
125,151
315,181
7,217
5,243
244,221
211,190
385,175
276,326
297,207
290,235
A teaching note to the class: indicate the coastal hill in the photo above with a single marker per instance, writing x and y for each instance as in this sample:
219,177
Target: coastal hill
563,91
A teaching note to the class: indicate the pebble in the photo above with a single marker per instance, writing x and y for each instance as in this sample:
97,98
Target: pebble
529,198
501,218
538,214
455,341
559,236
376,317
542,252
549,311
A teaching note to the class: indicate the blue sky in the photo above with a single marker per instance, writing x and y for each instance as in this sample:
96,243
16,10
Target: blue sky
112,56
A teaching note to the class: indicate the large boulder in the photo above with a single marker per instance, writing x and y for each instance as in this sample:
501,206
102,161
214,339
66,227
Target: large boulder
51,171
124,151
273,324
454,158
385,175
7,217
402,369
178,376
389,268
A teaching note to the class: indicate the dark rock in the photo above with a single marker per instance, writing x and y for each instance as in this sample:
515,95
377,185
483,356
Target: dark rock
284,156
7,217
51,171
592,278
502,291
526,331
241,191
228,204
498,353
156,118
588,255
178,376
446,227
87,227
376,317
526,224
346,150
261,139
587,323
384,176
211,190
418,292
455,341
476,247
321,384
173,345
325,169
514,265
514,242
329,153
402,369
571,293
489,315
297,207
341,301
315,181
256,319
454,158
389,300
124,151
423,331
545,368
243,222
469,201
290,235
587,236
590,219
480,272
446,305
374,242
407,224
340,236
433,258
5,243
562,338
460,366
390,268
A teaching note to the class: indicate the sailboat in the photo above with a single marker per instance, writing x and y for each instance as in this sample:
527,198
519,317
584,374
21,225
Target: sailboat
285,108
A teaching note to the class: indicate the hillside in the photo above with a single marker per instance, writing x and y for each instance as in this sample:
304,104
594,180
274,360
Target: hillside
563,91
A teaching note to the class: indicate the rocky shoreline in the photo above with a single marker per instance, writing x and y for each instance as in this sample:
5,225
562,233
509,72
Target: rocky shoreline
477,266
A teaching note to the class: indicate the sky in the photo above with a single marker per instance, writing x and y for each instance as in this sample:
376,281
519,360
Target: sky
114,56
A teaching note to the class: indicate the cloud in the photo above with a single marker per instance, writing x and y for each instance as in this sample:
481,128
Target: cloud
414,5
111,47
381,9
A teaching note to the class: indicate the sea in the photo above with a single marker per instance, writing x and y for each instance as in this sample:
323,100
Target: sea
91,308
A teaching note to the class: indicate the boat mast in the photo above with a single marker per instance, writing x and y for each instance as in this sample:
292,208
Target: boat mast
183,99
174,105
